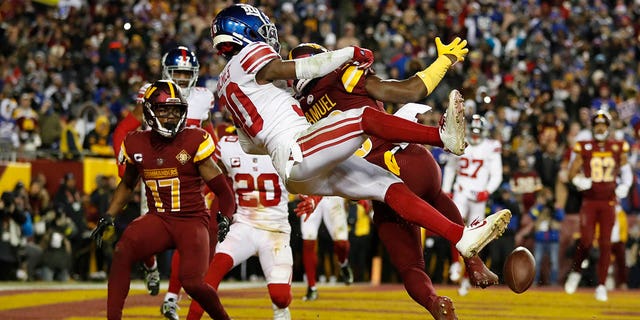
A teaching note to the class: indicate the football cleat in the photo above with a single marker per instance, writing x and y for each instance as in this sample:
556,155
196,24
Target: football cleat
573,280
442,309
312,294
152,280
465,285
280,314
453,125
346,274
480,232
455,271
601,293
169,309
479,274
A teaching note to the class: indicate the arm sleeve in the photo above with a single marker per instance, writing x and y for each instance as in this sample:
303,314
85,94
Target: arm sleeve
321,64
221,187
626,175
495,169
449,174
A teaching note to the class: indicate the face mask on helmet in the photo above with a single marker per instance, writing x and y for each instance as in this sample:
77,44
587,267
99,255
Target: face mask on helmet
304,50
600,123
164,108
477,129
181,66
239,25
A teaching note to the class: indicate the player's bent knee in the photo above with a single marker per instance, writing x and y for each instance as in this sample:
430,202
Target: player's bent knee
280,294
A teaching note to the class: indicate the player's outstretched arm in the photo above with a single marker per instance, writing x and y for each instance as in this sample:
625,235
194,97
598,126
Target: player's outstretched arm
121,196
314,66
423,82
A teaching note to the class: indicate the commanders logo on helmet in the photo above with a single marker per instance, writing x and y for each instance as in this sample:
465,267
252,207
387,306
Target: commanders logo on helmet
601,116
181,59
159,99
478,129
304,50
238,25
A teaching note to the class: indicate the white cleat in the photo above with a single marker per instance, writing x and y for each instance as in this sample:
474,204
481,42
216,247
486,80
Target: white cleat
455,271
465,285
601,293
453,124
280,314
480,232
573,280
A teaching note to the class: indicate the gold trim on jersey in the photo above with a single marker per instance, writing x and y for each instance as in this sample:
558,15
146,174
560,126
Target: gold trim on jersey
602,154
205,149
160,173
123,156
350,78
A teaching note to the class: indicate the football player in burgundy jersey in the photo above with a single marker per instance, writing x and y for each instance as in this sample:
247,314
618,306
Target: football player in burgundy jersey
347,88
318,159
597,164
181,66
174,163
261,225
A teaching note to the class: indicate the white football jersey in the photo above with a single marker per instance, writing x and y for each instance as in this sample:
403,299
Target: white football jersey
260,193
268,116
200,101
478,169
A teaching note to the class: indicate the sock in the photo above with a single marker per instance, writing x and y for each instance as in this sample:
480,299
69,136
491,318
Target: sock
394,129
341,249
220,265
174,279
413,209
150,263
170,296
310,261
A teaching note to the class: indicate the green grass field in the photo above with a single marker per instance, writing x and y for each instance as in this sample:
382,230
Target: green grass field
88,302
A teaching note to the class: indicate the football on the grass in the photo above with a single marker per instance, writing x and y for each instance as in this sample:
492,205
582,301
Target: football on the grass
519,270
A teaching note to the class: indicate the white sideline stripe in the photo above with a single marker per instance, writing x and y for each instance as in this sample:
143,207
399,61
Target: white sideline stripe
135,285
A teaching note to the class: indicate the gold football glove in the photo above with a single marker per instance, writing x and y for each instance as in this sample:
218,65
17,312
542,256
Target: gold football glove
457,48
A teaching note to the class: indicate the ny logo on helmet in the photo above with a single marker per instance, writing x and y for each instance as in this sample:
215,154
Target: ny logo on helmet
250,10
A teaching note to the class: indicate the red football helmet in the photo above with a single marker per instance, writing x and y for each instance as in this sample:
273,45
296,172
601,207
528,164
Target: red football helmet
164,108
304,50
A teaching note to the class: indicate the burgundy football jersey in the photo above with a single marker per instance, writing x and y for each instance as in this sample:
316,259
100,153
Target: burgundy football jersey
169,168
341,90
601,163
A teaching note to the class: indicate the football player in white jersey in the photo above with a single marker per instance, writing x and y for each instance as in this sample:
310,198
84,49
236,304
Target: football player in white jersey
182,67
477,174
318,159
333,212
260,225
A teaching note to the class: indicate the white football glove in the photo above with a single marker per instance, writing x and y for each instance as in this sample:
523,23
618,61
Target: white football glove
581,182
622,191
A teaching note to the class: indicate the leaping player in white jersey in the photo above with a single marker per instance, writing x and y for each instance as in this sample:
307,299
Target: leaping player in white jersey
260,226
477,174
319,159
182,67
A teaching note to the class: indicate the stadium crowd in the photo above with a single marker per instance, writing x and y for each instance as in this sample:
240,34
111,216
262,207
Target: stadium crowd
537,71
